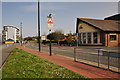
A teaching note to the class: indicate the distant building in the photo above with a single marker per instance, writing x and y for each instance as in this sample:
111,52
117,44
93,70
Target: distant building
43,37
114,17
9,41
98,32
6,33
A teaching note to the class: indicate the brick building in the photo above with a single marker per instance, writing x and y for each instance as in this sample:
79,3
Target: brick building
98,32
114,17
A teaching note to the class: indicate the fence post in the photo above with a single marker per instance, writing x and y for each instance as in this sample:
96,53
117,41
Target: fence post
98,58
108,60
75,54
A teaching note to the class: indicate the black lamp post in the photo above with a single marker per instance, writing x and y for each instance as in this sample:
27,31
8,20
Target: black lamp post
21,32
50,25
39,26
50,47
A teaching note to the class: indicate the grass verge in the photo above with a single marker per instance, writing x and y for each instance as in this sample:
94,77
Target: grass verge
21,64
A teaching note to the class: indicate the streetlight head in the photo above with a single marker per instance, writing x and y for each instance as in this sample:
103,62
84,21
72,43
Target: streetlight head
52,13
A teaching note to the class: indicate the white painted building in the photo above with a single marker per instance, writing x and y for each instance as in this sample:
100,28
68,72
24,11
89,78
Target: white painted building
10,32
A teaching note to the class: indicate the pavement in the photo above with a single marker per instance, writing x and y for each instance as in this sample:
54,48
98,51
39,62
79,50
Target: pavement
80,68
5,53
84,54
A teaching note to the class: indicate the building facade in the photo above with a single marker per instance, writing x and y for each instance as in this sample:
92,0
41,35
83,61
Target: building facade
98,32
114,17
6,33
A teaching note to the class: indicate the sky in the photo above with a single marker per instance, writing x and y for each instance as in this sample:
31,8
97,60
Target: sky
65,14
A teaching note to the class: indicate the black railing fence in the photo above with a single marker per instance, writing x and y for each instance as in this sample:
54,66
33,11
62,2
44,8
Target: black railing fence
98,57
92,56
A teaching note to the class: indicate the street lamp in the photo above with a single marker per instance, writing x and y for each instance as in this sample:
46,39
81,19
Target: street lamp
21,32
39,26
50,26
50,45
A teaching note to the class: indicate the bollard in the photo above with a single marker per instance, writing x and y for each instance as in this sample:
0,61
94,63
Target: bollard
98,58
108,60
75,54
50,49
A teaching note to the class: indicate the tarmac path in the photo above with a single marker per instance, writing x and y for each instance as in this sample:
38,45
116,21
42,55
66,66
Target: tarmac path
4,53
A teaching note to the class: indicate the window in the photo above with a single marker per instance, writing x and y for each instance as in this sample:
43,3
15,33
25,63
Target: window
112,37
79,38
95,37
89,37
84,37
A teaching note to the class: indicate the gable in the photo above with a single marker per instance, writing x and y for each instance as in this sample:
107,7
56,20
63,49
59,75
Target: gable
104,25
83,27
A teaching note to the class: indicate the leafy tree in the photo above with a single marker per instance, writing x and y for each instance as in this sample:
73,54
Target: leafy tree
56,36
69,38
30,38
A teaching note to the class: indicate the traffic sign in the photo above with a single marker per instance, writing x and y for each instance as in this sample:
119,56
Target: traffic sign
76,34
50,20
50,23
50,26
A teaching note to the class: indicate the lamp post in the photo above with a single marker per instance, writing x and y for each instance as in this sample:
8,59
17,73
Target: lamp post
21,32
39,26
50,26
50,47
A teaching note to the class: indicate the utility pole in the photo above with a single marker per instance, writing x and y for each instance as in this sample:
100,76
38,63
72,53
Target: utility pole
21,32
39,26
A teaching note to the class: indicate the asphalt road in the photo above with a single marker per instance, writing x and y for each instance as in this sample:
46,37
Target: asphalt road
86,54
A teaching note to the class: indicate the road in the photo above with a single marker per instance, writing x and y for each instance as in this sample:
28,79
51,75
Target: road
86,54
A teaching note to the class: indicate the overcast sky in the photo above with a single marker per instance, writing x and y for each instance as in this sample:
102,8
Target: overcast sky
65,14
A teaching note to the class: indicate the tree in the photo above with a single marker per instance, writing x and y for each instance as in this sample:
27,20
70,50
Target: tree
69,38
30,38
56,36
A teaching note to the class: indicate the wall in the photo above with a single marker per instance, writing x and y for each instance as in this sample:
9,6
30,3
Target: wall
86,28
102,38
118,39
111,43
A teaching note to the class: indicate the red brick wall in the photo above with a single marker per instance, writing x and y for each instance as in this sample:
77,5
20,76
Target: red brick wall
118,39
111,43
102,38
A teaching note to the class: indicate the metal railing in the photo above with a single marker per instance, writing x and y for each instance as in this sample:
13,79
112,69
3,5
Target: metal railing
100,58
7,45
93,56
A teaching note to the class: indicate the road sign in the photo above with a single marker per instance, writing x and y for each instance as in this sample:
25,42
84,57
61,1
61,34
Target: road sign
50,26
50,20
76,34
50,23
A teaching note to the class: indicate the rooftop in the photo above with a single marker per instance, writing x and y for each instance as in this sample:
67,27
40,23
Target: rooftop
105,25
